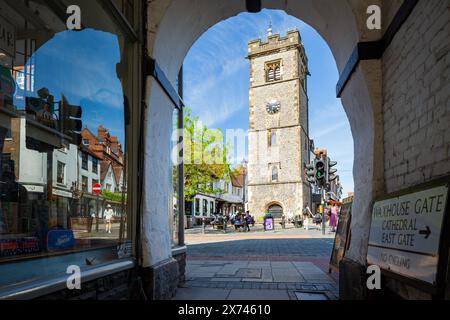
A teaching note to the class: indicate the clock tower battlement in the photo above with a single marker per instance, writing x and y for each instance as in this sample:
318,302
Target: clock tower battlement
278,136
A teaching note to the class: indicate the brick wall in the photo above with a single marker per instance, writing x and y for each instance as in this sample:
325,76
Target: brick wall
416,88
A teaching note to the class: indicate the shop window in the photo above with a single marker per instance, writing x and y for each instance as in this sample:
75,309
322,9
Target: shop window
61,173
84,184
205,207
44,84
197,207
211,207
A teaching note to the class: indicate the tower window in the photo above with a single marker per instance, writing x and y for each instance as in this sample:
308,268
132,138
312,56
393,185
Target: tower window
277,73
271,75
274,174
273,71
272,139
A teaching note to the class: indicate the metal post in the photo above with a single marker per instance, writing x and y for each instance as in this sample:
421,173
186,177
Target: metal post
203,225
181,165
323,210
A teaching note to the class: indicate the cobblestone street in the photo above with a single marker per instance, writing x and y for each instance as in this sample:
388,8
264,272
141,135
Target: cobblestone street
289,264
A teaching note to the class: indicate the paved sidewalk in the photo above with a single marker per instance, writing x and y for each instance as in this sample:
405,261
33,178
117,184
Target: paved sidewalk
284,265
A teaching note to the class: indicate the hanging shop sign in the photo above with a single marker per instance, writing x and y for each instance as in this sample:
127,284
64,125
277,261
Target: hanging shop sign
34,188
62,193
7,37
405,234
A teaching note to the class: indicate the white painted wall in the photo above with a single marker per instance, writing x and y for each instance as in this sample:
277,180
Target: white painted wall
108,180
33,165
69,157
90,174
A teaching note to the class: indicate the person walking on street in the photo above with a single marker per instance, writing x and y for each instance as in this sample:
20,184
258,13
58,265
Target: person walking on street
283,222
248,220
109,213
334,218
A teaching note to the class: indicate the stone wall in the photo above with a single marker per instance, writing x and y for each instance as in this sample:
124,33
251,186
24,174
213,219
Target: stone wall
118,286
416,104
289,196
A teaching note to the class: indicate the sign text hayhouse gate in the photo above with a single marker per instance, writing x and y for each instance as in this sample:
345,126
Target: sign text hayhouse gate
406,232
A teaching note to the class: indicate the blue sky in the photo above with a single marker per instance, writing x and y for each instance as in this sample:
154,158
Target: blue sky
217,82
82,66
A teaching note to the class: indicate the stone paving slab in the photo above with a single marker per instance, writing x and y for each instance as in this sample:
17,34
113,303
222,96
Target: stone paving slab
249,273
260,267
226,279
202,294
247,294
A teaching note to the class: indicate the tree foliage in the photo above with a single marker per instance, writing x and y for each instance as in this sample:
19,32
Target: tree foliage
205,158
116,197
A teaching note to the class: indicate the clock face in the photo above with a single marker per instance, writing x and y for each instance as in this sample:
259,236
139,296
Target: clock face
273,106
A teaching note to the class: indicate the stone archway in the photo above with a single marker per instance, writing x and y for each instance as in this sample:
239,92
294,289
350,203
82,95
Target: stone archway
176,25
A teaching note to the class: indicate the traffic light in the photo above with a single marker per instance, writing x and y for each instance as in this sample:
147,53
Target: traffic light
331,173
311,172
70,120
320,172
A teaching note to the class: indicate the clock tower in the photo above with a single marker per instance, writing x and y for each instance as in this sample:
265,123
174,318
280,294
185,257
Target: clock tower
278,136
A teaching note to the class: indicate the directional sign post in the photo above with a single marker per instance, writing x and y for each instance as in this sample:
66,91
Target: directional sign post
406,231
97,188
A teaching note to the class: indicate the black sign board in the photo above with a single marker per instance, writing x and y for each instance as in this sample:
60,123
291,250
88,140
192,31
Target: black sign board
342,239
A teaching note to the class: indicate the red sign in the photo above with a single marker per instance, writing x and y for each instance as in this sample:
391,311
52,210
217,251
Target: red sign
97,188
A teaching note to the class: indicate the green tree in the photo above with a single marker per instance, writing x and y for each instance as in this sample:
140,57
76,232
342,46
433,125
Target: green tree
205,158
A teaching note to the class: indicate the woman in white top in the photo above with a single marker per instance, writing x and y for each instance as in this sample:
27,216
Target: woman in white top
109,213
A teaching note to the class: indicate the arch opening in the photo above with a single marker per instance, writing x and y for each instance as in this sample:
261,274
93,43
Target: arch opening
180,28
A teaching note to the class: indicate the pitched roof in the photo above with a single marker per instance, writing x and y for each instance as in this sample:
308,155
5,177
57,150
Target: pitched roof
238,177
117,173
104,167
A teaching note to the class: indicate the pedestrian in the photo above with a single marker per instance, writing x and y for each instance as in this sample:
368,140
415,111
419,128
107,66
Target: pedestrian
283,222
290,217
307,214
109,213
92,212
248,221
334,218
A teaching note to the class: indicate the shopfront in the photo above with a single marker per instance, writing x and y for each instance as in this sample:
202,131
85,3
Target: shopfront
51,79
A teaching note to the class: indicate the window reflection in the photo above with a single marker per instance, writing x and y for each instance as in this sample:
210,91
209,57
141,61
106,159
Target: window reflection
62,143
